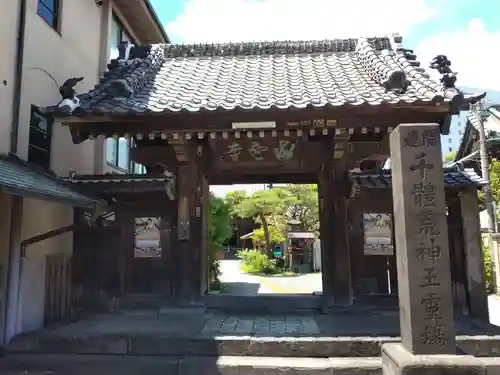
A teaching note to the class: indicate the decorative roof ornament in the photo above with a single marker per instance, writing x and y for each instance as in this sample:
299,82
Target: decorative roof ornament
69,100
442,65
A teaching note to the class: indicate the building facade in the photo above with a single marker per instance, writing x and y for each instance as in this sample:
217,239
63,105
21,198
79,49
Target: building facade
58,39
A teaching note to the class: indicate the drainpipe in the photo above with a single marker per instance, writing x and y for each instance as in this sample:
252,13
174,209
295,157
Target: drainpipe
16,102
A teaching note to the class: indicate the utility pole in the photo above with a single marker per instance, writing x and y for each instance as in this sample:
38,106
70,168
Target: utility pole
478,111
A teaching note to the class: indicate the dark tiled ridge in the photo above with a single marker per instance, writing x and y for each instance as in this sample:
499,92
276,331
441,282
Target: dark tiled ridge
263,76
452,177
272,47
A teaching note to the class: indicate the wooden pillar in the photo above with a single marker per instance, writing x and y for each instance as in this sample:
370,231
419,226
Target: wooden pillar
121,244
474,262
190,228
327,236
458,277
334,236
343,290
356,247
168,253
205,211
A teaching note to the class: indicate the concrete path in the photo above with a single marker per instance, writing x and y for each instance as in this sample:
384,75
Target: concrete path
236,282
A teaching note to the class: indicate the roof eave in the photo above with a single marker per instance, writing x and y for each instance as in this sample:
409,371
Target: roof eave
83,202
143,19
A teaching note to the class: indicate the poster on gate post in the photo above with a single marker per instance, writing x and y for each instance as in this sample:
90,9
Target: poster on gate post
147,238
378,234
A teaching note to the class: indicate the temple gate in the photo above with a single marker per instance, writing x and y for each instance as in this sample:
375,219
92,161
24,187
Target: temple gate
292,112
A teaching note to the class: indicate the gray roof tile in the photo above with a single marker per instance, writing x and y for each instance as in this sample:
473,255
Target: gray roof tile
262,75
17,177
453,177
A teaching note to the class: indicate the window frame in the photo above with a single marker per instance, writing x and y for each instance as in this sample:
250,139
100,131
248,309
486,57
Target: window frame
46,163
132,166
55,13
122,34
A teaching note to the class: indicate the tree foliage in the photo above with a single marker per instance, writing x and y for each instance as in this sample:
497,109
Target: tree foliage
233,199
275,208
303,208
219,225
276,235
219,230
450,156
262,206
495,179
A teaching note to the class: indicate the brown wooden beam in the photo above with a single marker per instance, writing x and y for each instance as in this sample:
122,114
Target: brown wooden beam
363,116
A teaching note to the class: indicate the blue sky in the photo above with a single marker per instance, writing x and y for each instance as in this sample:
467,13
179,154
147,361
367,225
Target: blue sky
467,31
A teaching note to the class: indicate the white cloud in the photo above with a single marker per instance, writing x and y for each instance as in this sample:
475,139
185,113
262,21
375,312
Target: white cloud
244,20
474,54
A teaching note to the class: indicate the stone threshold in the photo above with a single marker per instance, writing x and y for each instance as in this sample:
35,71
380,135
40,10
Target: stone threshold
158,345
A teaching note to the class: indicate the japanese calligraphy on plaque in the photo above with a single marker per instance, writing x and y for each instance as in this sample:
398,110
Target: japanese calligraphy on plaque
258,150
421,232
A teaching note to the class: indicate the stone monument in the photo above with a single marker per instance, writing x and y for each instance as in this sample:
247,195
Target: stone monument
423,262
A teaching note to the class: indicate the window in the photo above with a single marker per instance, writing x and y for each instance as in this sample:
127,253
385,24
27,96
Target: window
117,36
49,11
117,152
124,154
118,155
40,137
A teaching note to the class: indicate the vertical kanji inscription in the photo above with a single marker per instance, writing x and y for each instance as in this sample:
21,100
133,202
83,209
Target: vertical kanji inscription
422,251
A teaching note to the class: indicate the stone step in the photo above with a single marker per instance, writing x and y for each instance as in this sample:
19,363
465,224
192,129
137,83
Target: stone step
146,365
151,344
35,364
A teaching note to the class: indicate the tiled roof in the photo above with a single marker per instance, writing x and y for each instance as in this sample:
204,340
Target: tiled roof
107,185
17,177
453,177
116,178
261,75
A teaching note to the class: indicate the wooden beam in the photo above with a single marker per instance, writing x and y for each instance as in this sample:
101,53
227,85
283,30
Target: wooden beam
379,117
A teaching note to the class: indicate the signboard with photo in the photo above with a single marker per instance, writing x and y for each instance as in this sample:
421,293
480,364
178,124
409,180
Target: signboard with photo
147,237
378,234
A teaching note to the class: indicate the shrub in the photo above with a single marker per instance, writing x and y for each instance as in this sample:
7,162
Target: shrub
488,269
256,262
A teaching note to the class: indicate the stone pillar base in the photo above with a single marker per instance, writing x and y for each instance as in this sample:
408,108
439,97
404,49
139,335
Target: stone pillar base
396,360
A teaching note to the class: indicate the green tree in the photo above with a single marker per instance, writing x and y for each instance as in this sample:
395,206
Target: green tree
276,235
494,182
450,156
219,226
233,199
302,207
495,179
263,206
219,230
